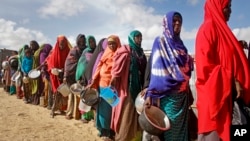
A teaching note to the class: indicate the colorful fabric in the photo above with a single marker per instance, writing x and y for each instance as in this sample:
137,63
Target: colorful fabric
71,64
120,70
171,64
220,60
103,117
35,84
104,45
84,59
92,62
102,76
43,56
175,106
27,63
137,65
57,59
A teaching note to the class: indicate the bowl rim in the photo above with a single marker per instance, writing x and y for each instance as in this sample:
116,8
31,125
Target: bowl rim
158,127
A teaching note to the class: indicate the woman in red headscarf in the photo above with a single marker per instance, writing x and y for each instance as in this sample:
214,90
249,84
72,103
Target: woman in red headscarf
57,59
222,72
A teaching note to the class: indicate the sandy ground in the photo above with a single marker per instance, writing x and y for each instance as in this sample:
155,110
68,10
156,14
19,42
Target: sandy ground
26,122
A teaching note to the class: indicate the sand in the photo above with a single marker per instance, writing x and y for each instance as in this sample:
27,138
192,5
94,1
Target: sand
26,122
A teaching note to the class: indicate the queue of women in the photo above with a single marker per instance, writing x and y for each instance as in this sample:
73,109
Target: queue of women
162,80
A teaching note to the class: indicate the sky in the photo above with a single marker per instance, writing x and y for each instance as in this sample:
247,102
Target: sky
43,20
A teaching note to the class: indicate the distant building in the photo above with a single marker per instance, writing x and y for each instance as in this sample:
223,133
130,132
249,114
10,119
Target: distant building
3,53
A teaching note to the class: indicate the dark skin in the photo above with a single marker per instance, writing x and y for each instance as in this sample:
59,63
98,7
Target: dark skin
177,23
113,46
227,11
82,42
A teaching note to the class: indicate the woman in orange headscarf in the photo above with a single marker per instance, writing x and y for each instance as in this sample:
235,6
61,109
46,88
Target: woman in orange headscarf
222,72
57,59
101,79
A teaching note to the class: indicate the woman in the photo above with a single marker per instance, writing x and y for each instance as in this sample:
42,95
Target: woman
87,77
69,75
26,67
36,84
19,83
129,62
45,50
57,59
81,69
222,72
102,79
170,73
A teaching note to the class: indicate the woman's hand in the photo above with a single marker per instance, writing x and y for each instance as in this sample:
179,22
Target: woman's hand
113,82
147,102
64,80
143,92
239,89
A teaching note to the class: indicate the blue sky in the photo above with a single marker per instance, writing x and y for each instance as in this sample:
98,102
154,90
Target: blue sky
43,20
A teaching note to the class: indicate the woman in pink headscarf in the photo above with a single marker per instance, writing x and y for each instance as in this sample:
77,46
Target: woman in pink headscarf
222,72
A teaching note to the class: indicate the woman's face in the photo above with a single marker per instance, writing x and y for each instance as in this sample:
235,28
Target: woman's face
62,44
138,39
82,42
92,43
227,11
112,45
177,23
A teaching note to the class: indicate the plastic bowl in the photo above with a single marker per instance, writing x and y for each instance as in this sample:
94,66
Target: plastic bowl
154,121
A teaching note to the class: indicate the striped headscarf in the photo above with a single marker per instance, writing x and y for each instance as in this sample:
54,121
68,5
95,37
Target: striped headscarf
169,54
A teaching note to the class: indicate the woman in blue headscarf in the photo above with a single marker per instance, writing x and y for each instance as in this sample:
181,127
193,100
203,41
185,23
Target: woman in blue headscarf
169,79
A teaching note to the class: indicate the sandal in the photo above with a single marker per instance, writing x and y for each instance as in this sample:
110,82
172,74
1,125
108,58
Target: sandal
84,121
68,117
106,138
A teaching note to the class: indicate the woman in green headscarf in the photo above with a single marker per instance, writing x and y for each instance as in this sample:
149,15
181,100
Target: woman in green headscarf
137,65
81,68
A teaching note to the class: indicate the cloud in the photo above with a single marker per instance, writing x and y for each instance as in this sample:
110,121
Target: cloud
12,37
61,8
193,2
242,33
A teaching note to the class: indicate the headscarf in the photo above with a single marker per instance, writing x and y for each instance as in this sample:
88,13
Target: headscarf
72,60
100,51
106,63
219,61
21,55
85,57
57,59
46,48
27,62
137,65
93,61
169,54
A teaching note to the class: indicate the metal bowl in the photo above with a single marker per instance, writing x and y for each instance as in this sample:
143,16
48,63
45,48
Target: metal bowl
76,89
64,89
139,102
90,96
55,71
154,121
34,74
25,79
5,65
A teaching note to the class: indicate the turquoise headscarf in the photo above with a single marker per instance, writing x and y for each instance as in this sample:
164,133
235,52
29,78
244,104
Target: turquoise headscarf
83,61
